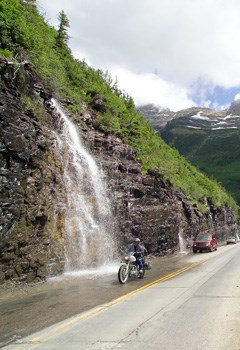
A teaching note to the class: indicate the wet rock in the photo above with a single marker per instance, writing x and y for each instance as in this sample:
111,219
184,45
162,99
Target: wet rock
28,189
146,205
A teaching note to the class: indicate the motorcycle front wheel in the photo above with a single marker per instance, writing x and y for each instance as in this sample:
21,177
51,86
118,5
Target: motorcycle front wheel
123,274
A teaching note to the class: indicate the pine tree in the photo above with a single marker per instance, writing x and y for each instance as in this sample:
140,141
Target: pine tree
62,37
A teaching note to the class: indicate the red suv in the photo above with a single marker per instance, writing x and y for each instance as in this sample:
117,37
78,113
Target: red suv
205,241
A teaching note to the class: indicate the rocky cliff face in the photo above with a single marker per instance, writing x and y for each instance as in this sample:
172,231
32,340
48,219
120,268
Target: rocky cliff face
32,192
146,205
30,174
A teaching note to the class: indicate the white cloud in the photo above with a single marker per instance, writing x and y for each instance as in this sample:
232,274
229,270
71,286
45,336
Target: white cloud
149,87
179,41
237,97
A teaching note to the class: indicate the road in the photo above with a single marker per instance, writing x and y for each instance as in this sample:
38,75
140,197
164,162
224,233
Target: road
30,308
196,307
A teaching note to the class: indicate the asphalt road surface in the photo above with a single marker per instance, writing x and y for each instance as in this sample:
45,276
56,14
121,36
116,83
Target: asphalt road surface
185,302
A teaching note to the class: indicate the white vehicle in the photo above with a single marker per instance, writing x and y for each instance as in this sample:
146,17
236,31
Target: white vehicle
231,240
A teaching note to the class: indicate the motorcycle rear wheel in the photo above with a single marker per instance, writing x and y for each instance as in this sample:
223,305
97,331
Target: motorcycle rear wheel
123,274
147,265
141,275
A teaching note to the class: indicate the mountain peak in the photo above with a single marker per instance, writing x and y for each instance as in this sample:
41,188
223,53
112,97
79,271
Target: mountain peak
157,115
235,108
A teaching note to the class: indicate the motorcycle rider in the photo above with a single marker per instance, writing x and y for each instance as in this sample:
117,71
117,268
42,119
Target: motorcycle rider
138,251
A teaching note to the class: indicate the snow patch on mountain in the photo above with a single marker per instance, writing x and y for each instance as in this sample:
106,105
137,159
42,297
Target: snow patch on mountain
199,116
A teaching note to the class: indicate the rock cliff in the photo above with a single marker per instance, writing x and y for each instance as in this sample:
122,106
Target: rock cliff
32,194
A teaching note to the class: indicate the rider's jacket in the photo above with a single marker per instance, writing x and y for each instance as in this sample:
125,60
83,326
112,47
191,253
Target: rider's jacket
139,249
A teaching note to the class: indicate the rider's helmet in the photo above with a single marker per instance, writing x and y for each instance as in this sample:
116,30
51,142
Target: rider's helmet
136,240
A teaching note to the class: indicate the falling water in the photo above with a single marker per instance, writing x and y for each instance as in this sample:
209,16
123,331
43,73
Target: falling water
182,242
89,224
237,235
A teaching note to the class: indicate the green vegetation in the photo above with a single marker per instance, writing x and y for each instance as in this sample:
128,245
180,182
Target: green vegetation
25,34
216,153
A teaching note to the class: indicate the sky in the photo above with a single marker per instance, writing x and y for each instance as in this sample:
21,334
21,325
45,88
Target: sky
170,53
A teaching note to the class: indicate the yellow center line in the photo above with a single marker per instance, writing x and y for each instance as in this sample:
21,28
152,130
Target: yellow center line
94,312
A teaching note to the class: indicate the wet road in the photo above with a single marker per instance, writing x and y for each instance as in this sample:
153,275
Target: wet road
29,309
171,313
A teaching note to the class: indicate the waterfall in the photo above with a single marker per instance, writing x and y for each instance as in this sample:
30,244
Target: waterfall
237,235
89,223
182,242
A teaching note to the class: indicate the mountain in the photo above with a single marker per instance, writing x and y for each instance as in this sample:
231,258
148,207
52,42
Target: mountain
209,139
153,192
157,116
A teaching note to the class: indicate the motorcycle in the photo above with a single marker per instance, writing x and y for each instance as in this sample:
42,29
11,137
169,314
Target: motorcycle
129,268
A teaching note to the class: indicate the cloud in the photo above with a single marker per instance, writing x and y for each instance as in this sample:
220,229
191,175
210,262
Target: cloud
171,44
237,97
150,88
